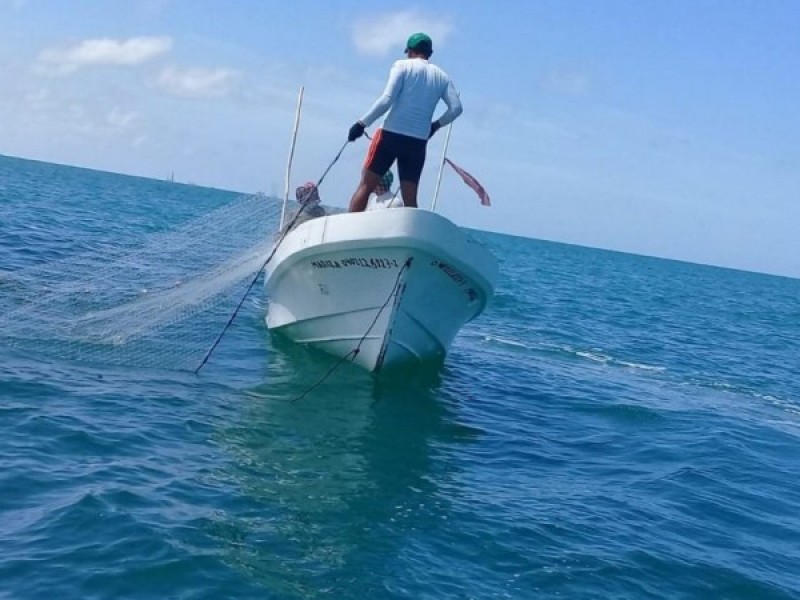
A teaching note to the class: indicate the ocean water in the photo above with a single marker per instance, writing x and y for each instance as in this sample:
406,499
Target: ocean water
613,426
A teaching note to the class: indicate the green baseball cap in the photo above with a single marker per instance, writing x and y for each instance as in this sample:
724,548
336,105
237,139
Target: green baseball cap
421,42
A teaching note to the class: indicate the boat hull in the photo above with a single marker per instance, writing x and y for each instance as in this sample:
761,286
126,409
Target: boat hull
381,288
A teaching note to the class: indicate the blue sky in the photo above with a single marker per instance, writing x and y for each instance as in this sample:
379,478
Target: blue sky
660,128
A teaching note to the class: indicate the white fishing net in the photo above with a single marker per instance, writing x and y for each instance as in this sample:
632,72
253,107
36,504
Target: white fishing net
159,304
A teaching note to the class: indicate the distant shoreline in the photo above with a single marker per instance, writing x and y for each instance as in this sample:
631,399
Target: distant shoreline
122,174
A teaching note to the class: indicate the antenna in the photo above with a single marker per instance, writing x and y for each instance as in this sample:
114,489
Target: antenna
291,156
441,167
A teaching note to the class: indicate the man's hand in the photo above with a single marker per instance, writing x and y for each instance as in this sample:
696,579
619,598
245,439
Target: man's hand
356,131
435,126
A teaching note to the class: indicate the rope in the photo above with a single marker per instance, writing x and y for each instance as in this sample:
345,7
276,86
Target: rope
333,162
283,234
354,352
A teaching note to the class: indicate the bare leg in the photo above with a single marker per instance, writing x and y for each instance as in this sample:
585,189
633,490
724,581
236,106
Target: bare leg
369,181
409,190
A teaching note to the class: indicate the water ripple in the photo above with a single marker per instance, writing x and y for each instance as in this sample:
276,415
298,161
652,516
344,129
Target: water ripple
614,426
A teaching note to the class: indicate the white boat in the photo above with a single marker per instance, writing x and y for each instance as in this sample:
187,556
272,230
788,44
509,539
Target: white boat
382,288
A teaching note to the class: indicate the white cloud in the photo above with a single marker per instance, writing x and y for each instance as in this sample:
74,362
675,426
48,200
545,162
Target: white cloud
104,52
121,120
197,82
382,34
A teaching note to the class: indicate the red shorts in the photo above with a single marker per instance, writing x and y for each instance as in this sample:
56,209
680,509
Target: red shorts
388,146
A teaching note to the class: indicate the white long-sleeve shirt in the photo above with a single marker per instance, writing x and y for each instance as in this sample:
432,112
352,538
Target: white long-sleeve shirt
414,89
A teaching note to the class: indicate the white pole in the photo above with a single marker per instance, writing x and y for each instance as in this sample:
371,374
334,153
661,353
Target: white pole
291,157
441,167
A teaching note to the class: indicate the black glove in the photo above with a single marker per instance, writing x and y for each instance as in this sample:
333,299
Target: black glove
356,131
435,126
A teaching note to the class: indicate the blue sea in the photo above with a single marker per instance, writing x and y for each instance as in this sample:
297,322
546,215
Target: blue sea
613,426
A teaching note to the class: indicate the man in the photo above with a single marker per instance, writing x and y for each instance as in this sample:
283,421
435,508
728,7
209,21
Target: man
414,89
307,196
384,198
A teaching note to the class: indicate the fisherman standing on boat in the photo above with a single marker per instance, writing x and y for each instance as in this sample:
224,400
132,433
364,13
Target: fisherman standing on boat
414,89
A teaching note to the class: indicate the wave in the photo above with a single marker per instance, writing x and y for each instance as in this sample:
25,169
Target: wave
593,355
